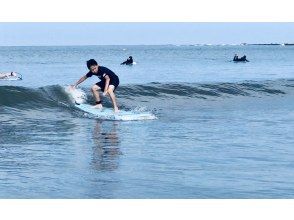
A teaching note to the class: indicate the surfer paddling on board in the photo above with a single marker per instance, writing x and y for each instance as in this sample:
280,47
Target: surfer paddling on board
109,82
7,75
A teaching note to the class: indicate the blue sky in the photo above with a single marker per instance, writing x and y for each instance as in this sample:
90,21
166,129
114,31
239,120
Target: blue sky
26,34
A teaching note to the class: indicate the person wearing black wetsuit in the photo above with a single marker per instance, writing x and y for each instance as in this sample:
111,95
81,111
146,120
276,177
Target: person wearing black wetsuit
109,81
129,61
244,59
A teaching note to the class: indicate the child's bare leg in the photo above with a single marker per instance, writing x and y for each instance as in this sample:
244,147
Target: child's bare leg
112,97
95,90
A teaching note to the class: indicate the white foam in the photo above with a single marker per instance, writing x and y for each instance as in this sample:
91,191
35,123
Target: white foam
11,78
76,95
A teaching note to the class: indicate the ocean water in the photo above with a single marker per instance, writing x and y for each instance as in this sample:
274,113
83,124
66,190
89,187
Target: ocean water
224,129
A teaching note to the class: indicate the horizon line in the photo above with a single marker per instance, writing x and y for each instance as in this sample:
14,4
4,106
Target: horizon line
168,44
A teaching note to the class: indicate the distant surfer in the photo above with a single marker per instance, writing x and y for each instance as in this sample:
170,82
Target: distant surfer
7,75
242,59
235,57
109,82
129,61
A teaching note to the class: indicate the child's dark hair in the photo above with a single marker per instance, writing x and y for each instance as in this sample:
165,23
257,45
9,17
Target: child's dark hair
91,62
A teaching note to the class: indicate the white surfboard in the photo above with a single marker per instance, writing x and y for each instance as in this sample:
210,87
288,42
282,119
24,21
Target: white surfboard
108,114
9,77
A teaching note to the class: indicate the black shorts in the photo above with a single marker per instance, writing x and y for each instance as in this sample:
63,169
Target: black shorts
101,84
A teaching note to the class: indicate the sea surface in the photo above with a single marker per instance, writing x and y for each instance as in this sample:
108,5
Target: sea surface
223,129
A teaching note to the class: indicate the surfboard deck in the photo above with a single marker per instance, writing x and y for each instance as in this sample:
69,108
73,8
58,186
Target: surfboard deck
108,114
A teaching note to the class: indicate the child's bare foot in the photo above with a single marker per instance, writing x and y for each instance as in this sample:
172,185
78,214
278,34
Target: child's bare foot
98,106
116,110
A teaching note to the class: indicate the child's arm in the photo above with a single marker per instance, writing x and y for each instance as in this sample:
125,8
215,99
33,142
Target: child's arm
82,79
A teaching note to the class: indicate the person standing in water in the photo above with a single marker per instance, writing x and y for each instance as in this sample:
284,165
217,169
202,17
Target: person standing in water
109,81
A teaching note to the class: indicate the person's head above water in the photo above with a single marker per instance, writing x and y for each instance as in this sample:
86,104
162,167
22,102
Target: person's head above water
92,65
130,57
13,74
